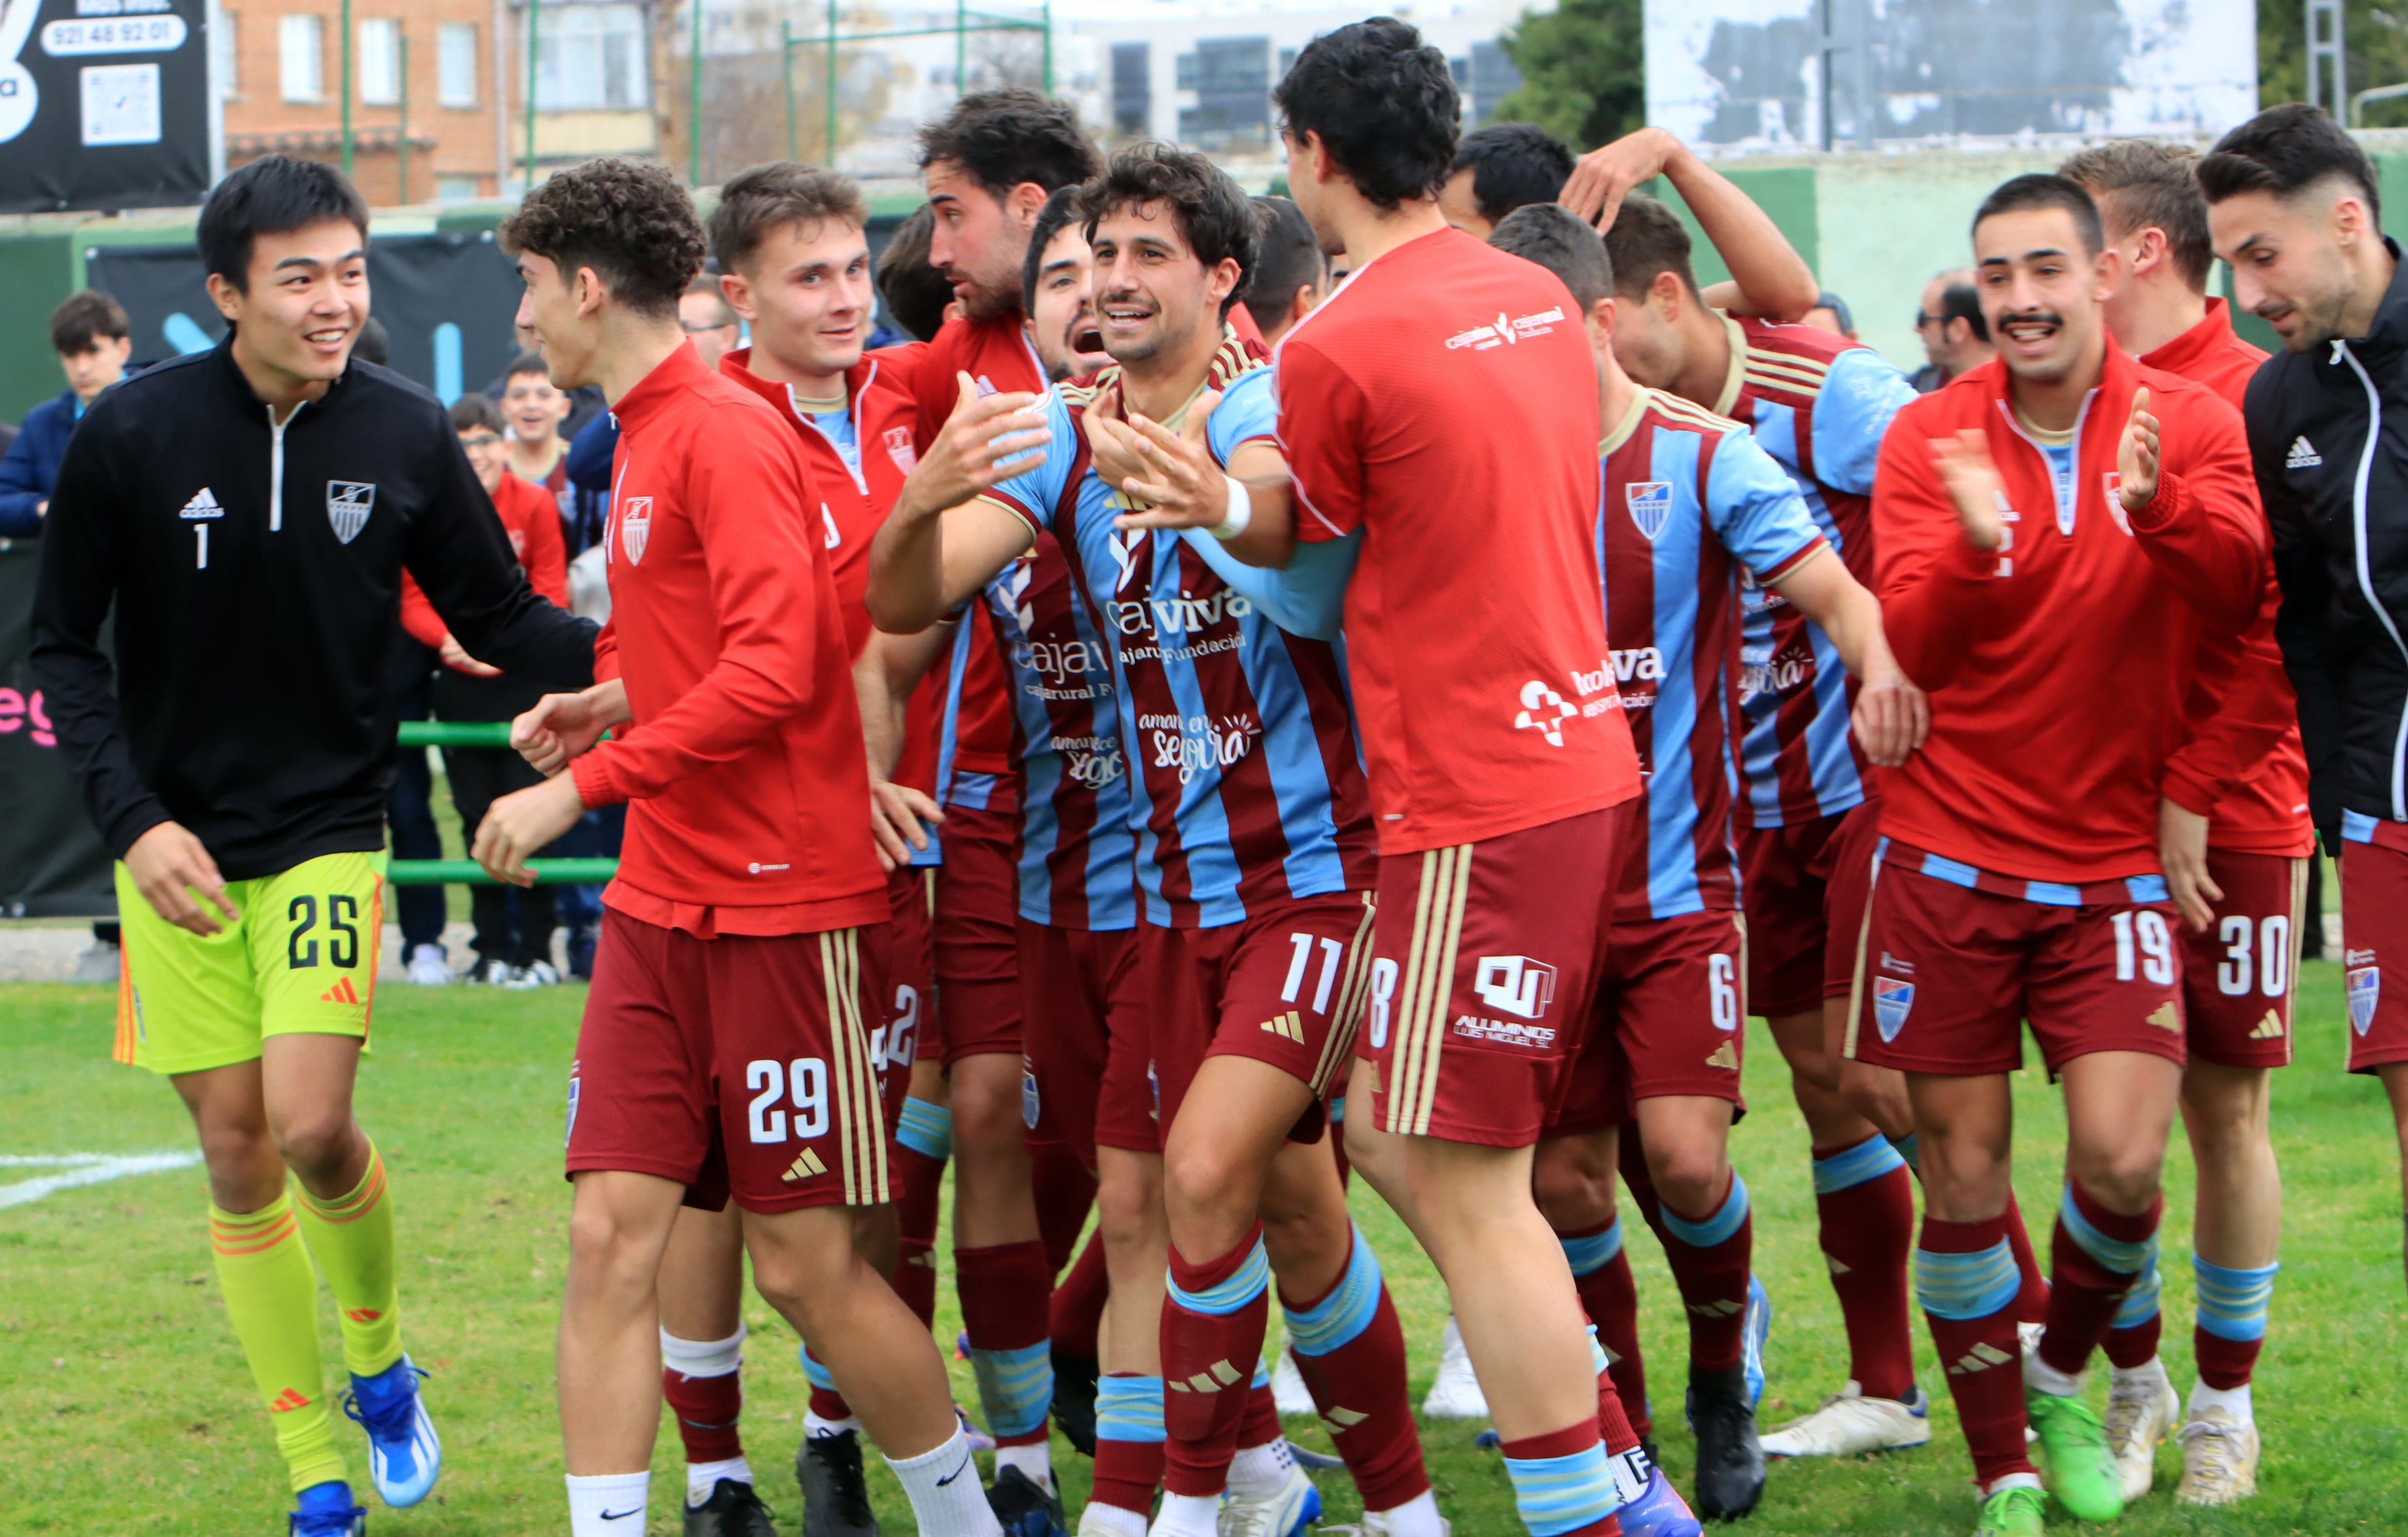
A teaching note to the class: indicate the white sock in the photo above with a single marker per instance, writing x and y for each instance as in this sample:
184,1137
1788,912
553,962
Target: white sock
703,1357
814,1425
947,1499
1416,1518
1036,1461
1101,1520
2040,1378
2152,1370
1257,1469
2012,1481
703,1477
1187,1515
607,1504
2232,1401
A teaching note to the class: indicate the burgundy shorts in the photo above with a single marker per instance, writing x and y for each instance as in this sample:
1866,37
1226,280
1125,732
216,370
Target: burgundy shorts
1485,963
734,1066
1947,975
1080,993
977,935
1804,888
2374,936
908,969
1284,987
2239,975
1670,1018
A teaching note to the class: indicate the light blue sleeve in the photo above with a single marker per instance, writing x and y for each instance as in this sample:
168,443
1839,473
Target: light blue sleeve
1039,488
1861,392
1754,508
1307,596
1249,408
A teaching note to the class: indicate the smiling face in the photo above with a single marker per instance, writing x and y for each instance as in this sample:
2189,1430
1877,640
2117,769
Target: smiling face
2041,292
305,298
489,455
1062,321
562,311
980,241
2289,256
1153,293
807,292
536,408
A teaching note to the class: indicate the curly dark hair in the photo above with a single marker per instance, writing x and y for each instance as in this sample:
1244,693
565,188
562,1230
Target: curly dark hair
1384,105
914,292
757,201
1215,217
633,225
1513,166
1006,137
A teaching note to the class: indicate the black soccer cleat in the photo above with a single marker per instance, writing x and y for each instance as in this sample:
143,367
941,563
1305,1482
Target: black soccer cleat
732,1510
1074,1400
835,1496
1024,1508
1730,1463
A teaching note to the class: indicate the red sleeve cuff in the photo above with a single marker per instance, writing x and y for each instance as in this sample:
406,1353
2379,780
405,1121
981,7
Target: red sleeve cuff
2171,501
2192,790
593,776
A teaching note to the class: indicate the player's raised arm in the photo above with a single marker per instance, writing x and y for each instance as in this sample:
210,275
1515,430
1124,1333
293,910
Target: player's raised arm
1767,277
2188,491
457,553
940,545
1181,484
1938,538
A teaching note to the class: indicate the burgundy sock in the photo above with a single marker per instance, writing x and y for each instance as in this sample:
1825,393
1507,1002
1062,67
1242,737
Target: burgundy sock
1127,1475
2085,1291
1259,1425
1079,1300
919,1184
1571,1441
1209,1359
2031,1302
1005,1291
2135,1346
708,1410
1713,1286
1065,1192
830,1404
2224,1364
1866,1232
915,1279
1611,1299
1981,1357
1359,1387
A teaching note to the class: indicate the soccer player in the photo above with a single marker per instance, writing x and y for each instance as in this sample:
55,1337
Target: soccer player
1059,281
2019,515
1255,853
1500,168
990,164
1290,274
267,495
1692,502
726,1049
2234,835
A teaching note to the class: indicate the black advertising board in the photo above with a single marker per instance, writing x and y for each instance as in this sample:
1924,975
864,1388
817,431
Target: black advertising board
104,105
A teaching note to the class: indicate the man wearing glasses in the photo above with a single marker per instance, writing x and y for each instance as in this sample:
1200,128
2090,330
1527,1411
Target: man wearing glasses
1955,337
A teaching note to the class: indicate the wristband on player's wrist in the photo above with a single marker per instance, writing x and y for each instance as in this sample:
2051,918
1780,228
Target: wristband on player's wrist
1240,512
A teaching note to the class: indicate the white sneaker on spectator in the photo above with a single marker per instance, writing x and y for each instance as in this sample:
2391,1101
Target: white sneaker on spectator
429,967
492,971
540,973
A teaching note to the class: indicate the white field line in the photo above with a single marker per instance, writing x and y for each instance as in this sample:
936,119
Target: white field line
84,1169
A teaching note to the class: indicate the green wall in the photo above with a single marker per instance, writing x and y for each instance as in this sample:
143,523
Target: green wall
36,271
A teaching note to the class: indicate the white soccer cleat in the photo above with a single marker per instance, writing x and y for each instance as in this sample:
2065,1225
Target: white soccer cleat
2142,1409
2220,1460
1282,1512
1287,1386
1848,1424
428,967
1455,1392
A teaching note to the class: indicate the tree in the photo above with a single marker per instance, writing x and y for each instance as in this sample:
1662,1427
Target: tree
1583,74
2376,40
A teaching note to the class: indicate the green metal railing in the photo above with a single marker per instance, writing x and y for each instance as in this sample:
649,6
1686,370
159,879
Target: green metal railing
468,872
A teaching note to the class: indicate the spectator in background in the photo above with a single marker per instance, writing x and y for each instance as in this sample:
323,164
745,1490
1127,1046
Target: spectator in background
703,316
513,938
914,294
1955,336
1500,169
534,407
87,331
1290,275
1830,313
586,402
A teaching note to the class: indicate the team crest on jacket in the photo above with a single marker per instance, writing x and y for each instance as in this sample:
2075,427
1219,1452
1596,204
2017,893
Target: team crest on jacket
899,449
347,506
2365,988
634,527
1892,1002
1651,505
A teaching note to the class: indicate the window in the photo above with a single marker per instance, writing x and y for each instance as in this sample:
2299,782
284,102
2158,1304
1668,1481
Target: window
455,189
1231,78
223,56
379,62
301,57
1132,89
1493,78
589,57
455,47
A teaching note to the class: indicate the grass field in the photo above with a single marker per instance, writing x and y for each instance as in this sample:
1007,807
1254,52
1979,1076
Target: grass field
124,1407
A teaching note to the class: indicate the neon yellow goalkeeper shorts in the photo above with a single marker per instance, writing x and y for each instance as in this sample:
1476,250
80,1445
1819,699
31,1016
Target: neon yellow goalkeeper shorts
300,961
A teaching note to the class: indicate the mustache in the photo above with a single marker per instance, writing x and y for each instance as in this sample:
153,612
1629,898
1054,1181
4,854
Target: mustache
2042,317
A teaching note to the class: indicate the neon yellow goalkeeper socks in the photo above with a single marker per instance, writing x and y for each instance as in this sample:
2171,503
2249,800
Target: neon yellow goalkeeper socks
351,1239
271,1295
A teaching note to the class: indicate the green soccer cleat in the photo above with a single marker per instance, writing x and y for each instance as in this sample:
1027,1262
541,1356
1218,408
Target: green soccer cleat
2011,1513
2081,1470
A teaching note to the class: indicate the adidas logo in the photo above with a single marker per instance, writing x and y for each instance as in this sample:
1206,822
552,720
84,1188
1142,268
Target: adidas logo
2268,1028
203,505
2302,456
2165,1016
1726,1056
1836,1268
1343,1418
287,1402
1980,1358
1222,1374
807,1166
1720,1308
339,993
1290,1024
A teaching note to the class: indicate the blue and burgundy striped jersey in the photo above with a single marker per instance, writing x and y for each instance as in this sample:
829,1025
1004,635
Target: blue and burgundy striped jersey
1077,859
1819,405
1245,787
1691,503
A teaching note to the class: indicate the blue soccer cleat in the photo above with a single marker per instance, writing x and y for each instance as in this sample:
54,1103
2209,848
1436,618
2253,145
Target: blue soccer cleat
1753,1332
326,1511
405,1456
1658,1512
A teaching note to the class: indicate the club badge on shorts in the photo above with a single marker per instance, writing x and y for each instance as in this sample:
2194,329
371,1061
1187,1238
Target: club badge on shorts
2365,989
347,506
1893,1001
